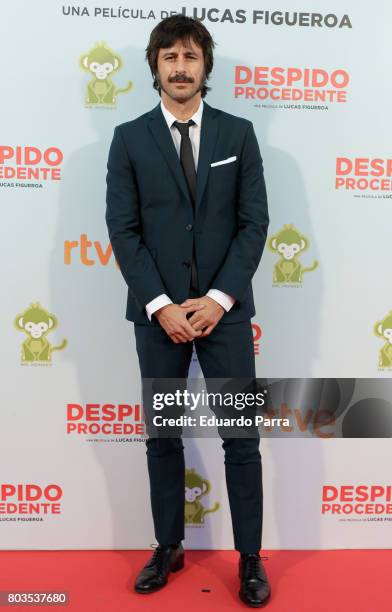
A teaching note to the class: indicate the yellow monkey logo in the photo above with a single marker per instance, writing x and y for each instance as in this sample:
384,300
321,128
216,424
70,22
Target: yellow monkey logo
195,488
36,323
383,329
289,243
101,63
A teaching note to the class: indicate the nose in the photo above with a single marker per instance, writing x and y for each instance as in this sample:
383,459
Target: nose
180,65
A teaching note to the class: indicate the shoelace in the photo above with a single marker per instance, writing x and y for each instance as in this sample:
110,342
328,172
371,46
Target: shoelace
157,557
252,567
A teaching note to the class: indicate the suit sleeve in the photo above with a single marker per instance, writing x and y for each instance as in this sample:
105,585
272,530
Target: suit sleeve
244,254
123,221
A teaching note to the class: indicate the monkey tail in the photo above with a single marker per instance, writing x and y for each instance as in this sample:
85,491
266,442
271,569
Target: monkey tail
59,347
124,89
213,509
311,268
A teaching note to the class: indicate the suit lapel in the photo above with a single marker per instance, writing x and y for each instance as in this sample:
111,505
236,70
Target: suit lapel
164,141
208,135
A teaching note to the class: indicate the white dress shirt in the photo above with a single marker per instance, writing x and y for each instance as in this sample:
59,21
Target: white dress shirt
226,301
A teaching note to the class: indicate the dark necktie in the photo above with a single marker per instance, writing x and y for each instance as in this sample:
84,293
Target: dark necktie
186,157
188,166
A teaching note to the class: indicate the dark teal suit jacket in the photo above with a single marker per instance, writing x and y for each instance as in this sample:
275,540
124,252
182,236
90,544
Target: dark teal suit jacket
150,217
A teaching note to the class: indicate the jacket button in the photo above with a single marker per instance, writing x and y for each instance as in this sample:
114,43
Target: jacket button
189,227
186,264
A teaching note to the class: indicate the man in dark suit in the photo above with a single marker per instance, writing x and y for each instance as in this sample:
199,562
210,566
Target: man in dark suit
187,218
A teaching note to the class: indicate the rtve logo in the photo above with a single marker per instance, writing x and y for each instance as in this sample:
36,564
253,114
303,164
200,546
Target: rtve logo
87,252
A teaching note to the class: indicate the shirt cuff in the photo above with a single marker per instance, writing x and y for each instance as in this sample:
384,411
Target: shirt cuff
156,303
226,301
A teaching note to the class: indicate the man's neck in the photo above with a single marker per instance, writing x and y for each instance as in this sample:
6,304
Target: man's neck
184,110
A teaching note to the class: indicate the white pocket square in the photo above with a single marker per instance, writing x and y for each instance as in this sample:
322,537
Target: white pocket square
224,161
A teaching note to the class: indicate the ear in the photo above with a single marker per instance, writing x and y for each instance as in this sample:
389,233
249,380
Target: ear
19,321
378,329
206,487
272,243
52,322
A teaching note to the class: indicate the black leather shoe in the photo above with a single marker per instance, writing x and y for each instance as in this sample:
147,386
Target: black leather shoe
255,589
164,560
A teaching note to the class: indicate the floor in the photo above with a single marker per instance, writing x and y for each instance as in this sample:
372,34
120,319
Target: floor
301,581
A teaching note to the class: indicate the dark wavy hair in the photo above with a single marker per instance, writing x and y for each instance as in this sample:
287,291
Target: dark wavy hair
168,32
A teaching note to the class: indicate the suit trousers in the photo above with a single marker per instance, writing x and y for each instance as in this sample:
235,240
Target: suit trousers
226,353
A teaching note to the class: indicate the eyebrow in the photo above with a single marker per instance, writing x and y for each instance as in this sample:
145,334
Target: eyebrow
175,53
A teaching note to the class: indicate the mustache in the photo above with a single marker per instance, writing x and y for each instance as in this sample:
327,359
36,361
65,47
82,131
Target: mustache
180,78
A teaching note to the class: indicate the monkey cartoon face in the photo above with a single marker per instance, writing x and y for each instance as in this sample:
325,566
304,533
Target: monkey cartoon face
288,251
35,321
192,493
288,242
101,71
101,61
383,328
195,486
36,330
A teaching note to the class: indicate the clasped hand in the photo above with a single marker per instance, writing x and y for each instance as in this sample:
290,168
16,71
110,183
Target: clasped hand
206,314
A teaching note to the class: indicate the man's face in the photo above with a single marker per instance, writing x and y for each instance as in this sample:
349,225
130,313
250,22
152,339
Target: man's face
180,70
